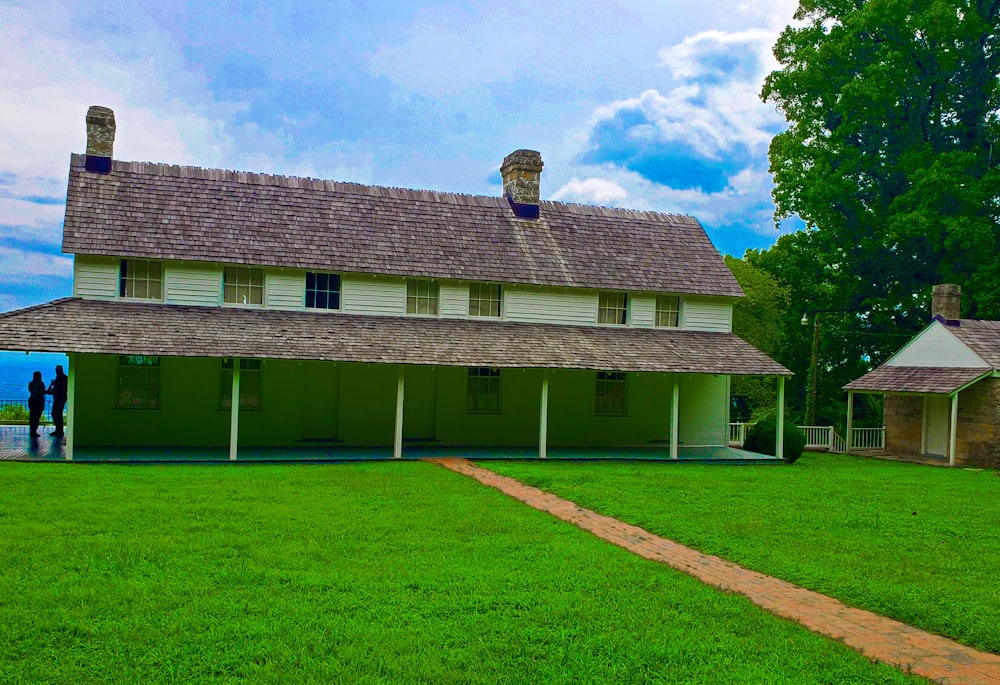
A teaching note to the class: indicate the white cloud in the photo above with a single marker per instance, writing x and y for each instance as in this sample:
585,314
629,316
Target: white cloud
599,191
21,267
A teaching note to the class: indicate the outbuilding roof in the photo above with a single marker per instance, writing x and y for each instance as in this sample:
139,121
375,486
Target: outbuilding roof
916,379
983,337
116,327
188,213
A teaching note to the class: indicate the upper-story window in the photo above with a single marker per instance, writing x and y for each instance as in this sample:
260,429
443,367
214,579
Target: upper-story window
612,307
322,290
422,296
141,279
243,285
668,310
484,299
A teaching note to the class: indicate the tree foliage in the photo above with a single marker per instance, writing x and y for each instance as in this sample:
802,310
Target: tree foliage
891,153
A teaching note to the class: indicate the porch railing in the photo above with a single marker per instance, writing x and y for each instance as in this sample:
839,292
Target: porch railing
821,437
868,439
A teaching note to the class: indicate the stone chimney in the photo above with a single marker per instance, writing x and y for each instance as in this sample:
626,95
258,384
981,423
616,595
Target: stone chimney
946,300
100,139
522,172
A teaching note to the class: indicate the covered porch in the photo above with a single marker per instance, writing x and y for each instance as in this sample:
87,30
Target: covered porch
155,382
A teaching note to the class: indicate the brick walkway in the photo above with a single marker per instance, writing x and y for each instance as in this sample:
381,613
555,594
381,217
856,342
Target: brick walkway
879,638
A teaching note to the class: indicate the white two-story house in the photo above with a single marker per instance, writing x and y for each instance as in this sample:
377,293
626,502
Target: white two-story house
233,310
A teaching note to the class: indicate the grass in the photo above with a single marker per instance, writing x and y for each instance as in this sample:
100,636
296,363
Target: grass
918,543
367,573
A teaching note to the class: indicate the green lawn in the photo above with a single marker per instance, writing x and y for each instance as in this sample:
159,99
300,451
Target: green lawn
918,543
367,572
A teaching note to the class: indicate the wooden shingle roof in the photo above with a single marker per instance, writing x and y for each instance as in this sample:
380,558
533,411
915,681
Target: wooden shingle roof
116,327
188,213
916,379
983,337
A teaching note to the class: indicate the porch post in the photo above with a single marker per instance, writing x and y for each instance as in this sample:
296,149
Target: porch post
675,413
779,443
543,416
234,411
70,407
849,438
953,432
397,440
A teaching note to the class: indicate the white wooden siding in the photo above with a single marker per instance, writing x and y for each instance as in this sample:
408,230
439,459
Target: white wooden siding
550,305
284,289
95,277
706,314
383,295
936,346
454,299
193,283
703,409
643,308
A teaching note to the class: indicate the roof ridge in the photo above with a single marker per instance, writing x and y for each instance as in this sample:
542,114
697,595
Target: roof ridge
391,192
36,306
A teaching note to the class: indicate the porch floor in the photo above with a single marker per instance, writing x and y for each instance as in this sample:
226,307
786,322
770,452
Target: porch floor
17,445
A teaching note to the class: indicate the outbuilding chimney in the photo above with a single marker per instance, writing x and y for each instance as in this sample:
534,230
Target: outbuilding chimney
946,301
100,139
522,173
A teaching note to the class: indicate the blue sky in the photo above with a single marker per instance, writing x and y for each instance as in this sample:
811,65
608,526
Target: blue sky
647,105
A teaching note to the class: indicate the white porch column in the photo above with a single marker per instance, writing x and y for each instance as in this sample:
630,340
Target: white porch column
953,430
397,440
850,421
543,416
675,413
234,411
779,443
70,407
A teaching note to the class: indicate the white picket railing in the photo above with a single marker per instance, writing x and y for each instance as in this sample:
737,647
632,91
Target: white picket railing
868,438
821,437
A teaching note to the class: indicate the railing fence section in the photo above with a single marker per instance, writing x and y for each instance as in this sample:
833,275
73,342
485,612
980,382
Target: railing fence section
821,437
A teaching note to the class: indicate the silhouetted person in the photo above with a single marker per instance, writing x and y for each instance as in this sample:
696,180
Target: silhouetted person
36,402
57,388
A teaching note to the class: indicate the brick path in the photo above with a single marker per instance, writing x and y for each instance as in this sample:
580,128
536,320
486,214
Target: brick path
879,638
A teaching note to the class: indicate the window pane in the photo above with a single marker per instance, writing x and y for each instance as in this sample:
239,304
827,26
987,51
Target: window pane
310,280
321,281
321,299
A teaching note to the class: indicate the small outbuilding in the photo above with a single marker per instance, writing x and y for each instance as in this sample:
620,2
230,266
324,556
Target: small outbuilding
942,389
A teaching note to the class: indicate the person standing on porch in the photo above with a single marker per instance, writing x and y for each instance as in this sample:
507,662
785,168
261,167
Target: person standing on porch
58,388
36,402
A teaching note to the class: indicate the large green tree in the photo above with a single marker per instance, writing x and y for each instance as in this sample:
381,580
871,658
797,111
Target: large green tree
891,155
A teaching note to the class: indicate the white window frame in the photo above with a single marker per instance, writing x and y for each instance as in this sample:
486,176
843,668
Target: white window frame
612,308
423,293
668,316
480,294
239,287
135,276
328,291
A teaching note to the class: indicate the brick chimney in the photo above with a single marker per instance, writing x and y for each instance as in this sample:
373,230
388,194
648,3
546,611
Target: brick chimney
100,139
522,172
946,300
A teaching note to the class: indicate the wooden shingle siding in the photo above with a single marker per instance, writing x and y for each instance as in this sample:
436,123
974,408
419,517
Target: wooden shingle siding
284,289
454,299
534,305
190,283
367,295
707,314
95,277
643,308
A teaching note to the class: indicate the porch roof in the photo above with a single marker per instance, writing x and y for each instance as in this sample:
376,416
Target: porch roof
115,327
936,380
